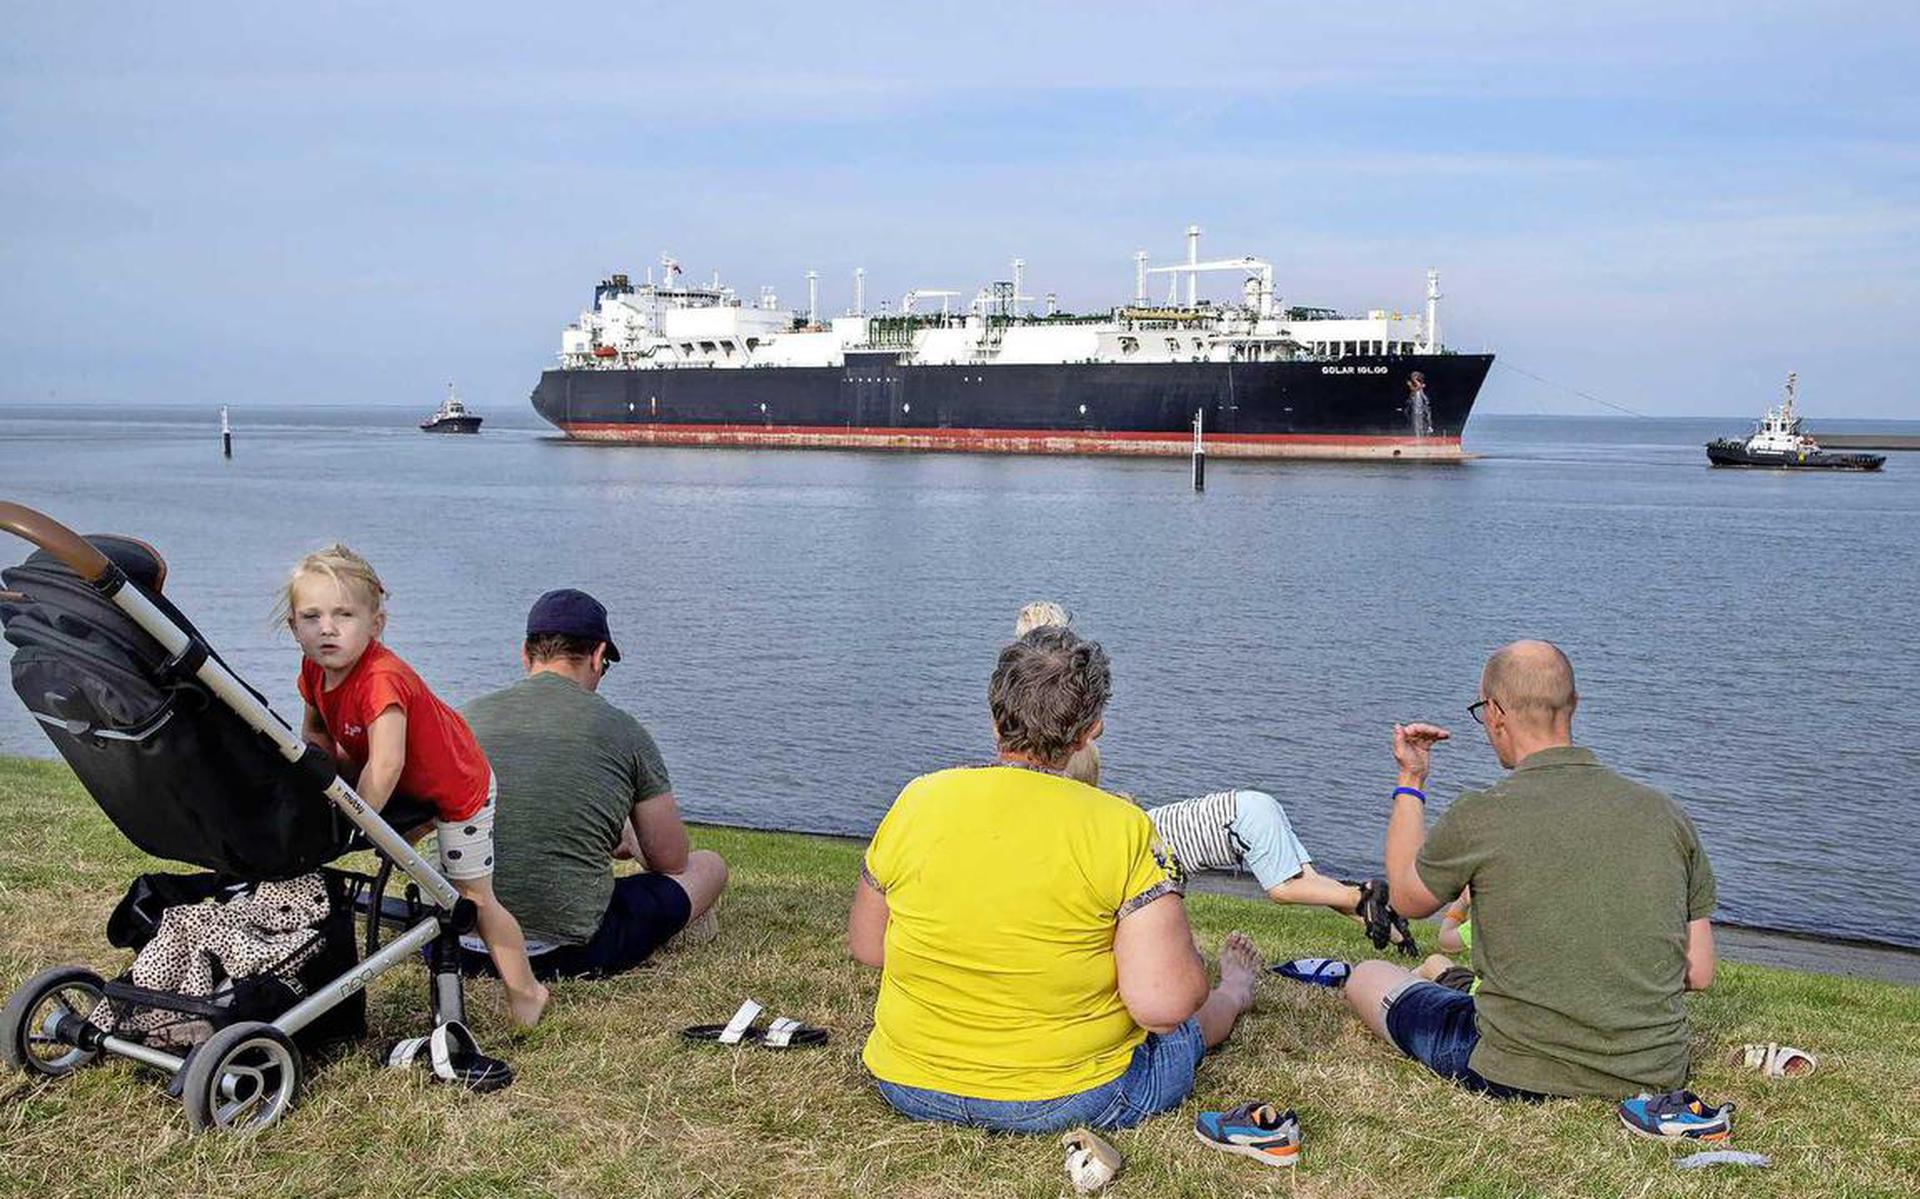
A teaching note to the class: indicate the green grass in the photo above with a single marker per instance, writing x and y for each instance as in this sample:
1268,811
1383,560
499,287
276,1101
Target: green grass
611,1102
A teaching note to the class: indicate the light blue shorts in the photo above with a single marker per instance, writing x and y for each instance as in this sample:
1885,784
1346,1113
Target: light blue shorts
1274,853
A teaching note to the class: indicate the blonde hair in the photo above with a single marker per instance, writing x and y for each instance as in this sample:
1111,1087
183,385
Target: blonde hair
1040,614
1084,765
347,569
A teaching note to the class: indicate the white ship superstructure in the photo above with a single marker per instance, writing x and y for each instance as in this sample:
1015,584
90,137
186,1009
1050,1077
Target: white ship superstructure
676,324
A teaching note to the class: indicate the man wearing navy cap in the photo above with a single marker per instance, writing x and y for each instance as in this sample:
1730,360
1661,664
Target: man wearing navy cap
588,787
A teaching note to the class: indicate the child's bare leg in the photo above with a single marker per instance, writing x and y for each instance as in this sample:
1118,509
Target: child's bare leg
1311,887
1435,965
526,996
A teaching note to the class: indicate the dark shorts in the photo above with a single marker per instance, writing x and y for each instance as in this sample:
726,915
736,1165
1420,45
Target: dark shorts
1434,1026
646,910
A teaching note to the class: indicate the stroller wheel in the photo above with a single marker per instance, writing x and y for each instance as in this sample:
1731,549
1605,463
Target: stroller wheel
34,1015
243,1079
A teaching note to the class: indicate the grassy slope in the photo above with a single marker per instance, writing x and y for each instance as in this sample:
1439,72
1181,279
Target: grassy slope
611,1102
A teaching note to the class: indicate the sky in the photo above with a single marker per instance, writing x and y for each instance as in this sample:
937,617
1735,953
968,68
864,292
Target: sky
1661,208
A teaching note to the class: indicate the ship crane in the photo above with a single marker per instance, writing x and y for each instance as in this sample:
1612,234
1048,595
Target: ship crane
1257,268
926,293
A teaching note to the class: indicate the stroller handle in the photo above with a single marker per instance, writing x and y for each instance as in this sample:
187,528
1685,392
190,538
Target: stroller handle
69,547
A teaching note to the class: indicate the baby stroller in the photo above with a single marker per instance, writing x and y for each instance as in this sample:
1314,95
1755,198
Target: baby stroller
193,766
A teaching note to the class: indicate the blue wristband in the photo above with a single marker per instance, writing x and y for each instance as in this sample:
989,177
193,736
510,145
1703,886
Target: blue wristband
1416,792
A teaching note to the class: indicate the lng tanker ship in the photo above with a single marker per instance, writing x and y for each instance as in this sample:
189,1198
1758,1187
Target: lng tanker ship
672,363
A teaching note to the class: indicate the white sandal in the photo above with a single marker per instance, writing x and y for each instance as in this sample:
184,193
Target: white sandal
1774,1060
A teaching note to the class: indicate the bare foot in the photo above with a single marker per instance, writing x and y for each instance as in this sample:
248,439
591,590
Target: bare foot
527,1006
1241,966
698,931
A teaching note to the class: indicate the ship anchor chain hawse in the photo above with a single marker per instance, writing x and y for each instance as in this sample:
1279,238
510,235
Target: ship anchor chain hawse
676,363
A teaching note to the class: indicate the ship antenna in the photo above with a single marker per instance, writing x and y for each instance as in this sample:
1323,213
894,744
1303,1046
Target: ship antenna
1140,277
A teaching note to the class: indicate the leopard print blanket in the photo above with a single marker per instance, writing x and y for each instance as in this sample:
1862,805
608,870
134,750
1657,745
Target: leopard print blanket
200,948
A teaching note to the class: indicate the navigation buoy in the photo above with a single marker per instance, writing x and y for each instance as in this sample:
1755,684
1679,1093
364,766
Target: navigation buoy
1199,450
226,434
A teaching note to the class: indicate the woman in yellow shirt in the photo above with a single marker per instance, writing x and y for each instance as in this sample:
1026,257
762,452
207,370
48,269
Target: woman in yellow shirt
1037,969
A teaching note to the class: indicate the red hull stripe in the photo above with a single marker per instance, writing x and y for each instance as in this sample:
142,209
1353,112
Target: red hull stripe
1059,441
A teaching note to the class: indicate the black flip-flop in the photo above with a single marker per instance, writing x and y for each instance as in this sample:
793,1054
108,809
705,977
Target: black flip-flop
455,1057
782,1033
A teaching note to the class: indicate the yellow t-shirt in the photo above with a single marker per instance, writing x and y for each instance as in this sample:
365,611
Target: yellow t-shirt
1003,888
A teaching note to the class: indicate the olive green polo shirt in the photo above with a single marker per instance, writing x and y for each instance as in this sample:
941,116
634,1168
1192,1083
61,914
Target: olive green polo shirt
1583,885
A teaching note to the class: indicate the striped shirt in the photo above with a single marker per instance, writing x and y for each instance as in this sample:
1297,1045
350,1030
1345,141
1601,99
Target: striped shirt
1199,832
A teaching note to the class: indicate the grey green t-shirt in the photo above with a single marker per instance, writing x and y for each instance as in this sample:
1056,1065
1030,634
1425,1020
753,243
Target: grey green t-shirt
1583,884
570,767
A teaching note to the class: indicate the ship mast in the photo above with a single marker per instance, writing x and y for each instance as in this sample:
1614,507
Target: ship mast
1193,260
1433,312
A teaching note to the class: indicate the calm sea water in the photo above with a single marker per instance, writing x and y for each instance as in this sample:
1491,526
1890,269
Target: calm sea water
804,632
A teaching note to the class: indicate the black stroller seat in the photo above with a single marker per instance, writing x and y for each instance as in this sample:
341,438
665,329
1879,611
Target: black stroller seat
193,765
182,775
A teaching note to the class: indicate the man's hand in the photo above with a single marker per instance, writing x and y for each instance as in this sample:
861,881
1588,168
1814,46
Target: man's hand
1412,743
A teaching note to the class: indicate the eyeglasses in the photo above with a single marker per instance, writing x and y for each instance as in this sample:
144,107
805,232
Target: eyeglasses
1477,709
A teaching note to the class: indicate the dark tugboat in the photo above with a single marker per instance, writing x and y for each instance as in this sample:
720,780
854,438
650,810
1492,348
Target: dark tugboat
453,417
1779,442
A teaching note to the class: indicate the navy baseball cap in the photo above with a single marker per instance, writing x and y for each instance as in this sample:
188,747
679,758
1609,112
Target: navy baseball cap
573,613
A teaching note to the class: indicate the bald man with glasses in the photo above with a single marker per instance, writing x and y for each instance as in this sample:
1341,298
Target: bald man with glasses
1591,902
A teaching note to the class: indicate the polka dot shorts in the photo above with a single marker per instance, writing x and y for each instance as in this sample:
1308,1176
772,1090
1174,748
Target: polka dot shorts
466,846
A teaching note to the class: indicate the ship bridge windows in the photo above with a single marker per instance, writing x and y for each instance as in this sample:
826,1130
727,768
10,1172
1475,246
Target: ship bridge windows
1173,345
707,347
686,347
1129,345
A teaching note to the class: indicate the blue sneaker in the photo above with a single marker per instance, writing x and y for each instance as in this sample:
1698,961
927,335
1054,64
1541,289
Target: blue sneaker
1256,1130
1676,1116
1317,972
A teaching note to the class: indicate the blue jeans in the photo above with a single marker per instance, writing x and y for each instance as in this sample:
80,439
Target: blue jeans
1434,1026
1159,1078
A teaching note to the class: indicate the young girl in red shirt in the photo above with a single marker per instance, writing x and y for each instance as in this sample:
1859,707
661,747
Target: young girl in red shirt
392,735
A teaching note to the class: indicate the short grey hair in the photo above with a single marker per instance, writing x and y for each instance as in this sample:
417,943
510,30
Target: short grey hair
1049,688
1530,679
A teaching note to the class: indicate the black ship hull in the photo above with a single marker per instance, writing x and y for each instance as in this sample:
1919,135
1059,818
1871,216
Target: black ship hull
1736,453
452,424
1359,407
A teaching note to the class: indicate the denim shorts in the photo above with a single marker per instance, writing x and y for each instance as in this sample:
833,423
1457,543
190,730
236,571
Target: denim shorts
1159,1078
1434,1026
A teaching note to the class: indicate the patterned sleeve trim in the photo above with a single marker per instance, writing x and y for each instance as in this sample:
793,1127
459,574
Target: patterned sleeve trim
1168,886
866,876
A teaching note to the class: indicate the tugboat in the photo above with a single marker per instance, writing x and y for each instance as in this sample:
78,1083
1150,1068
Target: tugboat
453,417
1778,441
